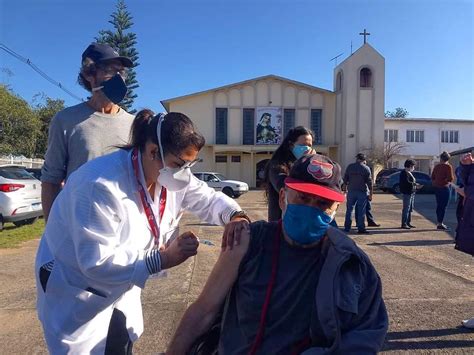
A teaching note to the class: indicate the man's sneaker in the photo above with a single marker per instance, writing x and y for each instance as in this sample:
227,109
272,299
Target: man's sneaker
347,230
410,225
373,224
404,226
468,323
363,231
442,227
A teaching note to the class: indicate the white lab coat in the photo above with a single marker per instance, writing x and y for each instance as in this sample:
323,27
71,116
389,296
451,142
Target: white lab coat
98,235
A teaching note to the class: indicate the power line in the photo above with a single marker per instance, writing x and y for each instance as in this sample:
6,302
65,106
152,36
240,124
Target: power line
38,70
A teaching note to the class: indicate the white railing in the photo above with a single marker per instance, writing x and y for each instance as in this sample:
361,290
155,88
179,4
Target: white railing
26,162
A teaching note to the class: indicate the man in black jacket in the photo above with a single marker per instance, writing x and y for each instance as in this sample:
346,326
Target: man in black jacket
408,189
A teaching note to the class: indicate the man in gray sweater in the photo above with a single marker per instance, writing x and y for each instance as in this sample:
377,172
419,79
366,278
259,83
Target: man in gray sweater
90,129
358,182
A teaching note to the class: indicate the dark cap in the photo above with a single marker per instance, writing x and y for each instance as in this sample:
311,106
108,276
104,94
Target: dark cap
316,174
102,52
361,156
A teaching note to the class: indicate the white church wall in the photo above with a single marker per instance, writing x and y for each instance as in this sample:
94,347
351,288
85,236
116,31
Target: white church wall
289,96
262,93
234,126
248,96
276,93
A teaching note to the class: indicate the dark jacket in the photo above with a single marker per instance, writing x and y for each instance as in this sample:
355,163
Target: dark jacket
358,178
407,183
465,230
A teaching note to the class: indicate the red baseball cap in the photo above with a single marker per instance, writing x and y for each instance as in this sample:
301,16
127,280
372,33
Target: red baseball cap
316,174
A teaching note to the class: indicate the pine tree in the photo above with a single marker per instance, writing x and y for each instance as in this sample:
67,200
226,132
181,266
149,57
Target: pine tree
124,43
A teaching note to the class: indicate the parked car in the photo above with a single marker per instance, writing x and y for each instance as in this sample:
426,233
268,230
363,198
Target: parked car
392,182
20,196
219,182
382,173
36,172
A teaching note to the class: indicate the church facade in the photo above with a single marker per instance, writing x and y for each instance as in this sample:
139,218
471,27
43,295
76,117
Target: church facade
244,122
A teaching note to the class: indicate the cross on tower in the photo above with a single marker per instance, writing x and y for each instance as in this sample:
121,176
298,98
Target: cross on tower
365,34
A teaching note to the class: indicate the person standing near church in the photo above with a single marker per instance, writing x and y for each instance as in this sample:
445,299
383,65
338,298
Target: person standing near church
90,129
408,190
442,176
358,182
297,142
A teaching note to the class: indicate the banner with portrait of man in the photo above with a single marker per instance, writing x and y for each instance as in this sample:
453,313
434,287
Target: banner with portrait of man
269,125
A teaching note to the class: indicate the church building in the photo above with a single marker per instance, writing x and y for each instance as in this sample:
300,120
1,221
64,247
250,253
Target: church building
244,122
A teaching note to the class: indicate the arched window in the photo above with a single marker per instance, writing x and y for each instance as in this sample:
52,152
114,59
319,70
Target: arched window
339,81
365,78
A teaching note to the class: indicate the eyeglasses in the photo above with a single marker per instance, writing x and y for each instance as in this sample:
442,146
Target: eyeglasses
111,70
187,164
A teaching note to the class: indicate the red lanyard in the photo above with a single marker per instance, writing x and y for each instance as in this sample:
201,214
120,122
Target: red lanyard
271,283
150,216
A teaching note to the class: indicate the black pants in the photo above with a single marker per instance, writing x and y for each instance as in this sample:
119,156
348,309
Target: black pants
118,342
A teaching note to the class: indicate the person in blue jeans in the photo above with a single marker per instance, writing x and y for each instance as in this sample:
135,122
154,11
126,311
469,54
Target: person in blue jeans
408,190
442,176
358,182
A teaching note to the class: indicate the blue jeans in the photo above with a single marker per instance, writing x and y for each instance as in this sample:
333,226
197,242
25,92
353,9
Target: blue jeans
360,198
442,199
408,203
368,212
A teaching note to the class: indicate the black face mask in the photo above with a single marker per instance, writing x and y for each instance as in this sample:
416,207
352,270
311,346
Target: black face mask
114,88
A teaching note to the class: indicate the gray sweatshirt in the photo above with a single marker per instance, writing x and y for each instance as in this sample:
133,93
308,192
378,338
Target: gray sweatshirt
78,134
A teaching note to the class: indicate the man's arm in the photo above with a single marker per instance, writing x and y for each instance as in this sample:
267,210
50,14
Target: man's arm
199,316
49,192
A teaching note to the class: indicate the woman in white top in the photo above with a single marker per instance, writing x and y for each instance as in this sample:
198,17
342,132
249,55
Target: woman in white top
113,226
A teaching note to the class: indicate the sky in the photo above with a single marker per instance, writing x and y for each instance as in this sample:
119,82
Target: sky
196,45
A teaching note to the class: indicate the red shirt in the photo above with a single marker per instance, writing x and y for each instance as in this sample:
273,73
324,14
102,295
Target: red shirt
442,175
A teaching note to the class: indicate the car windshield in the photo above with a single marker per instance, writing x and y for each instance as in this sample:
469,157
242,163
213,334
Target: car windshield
220,177
15,173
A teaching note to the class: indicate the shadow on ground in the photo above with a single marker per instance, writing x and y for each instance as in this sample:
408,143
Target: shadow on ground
413,340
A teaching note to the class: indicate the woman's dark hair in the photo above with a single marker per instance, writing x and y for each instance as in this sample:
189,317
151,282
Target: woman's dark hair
177,132
283,157
409,163
445,156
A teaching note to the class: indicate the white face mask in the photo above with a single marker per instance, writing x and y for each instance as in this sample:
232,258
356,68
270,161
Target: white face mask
172,179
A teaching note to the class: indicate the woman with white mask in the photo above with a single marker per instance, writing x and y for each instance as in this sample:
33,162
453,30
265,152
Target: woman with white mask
113,226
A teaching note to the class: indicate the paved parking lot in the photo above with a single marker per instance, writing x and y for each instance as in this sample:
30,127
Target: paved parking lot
428,286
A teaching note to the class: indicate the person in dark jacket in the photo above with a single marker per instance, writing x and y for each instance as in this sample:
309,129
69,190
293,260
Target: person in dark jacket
407,189
298,286
465,230
297,142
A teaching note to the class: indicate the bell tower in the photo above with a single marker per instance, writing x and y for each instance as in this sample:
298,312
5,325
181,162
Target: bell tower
359,84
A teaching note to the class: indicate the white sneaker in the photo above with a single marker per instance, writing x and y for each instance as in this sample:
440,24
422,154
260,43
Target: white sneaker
468,323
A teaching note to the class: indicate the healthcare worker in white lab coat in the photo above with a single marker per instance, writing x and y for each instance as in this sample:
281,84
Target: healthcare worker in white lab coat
113,226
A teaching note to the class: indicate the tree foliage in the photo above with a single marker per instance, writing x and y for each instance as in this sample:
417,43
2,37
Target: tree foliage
23,128
19,125
45,111
124,43
399,112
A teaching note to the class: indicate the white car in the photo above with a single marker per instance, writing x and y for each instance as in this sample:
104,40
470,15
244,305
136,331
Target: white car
219,182
20,196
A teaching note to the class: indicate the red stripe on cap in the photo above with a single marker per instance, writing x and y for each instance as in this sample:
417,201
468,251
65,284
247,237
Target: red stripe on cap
314,189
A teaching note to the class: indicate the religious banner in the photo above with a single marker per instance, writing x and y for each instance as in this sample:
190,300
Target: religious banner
269,125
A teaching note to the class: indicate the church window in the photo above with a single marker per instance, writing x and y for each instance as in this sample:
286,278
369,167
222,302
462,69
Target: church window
391,135
316,125
339,81
221,126
248,126
415,136
449,136
365,78
288,120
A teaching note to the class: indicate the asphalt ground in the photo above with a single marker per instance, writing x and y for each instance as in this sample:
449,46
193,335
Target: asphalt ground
428,286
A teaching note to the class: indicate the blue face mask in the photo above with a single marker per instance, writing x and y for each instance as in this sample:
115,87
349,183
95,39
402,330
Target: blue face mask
299,150
305,224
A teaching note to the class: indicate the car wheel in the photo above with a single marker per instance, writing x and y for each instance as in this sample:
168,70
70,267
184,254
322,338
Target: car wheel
228,191
25,222
396,188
